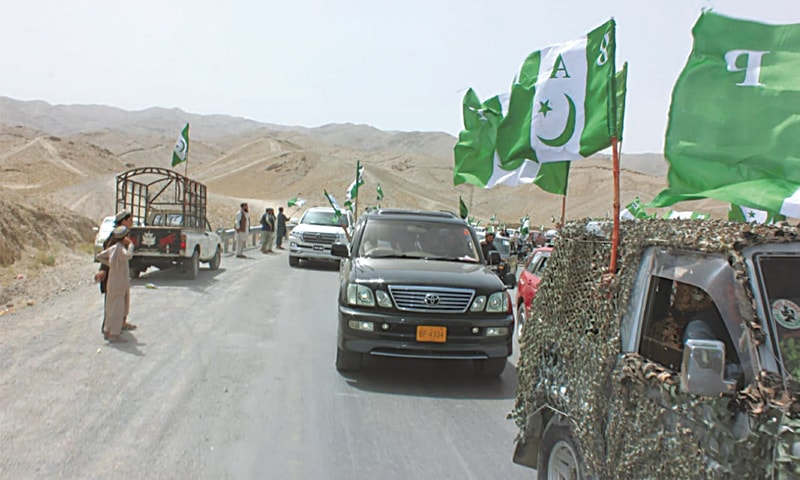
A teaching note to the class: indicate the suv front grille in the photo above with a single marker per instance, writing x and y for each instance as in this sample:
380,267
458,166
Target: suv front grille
319,237
431,299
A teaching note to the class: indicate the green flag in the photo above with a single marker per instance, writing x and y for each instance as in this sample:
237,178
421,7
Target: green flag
621,86
672,214
463,211
634,210
561,108
525,226
380,192
296,202
749,215
337,212
352,190
181,151
733,129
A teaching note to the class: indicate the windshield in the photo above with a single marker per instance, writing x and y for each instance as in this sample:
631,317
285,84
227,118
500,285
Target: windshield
418,239
318,217
783,300
503,246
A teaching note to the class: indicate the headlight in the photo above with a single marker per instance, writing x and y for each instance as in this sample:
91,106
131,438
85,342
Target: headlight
294,234
478,303
360,295
383,299
498,302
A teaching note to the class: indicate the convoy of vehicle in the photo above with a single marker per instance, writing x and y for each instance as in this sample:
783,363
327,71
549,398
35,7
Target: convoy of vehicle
414,284
625,376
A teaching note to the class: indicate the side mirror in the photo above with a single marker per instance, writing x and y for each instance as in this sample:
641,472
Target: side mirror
340,250
494,257
510,280
703,368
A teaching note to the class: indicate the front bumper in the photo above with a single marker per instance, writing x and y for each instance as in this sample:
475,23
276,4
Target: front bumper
398,339
310,251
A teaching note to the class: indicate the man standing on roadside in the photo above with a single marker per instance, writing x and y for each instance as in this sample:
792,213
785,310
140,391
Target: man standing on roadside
267,230
123,218
280,233
242,229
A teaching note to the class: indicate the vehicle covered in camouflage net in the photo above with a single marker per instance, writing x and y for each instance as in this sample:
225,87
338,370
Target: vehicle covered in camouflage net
612,386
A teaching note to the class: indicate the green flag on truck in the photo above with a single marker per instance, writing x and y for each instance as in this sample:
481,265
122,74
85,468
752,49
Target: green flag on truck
733,130
181,151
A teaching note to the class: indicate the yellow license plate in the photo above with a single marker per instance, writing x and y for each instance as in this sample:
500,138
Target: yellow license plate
431,334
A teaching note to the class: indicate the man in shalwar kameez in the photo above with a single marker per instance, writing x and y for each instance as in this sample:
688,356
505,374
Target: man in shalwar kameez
118,288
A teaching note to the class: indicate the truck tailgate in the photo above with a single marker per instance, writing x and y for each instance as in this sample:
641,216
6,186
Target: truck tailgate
156,240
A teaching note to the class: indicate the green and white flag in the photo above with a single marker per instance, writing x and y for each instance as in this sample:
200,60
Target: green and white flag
562,107
733,129
352,190
750,215
337,211
525,226
296,202
463,211
633,211
181,151
380,192
672,215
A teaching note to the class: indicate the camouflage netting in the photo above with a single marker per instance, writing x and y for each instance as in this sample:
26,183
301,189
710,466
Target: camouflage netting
575,322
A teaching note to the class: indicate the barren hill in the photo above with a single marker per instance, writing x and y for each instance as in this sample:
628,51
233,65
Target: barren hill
68,156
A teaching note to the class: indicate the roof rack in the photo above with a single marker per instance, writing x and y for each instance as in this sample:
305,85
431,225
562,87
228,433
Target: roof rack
400,211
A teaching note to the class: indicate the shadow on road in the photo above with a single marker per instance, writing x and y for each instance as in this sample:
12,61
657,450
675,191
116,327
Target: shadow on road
431,378
175,277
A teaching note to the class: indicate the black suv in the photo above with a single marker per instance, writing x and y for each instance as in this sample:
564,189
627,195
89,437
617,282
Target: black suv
414,284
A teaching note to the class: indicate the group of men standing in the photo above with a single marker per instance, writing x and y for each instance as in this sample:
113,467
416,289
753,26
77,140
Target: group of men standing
273,229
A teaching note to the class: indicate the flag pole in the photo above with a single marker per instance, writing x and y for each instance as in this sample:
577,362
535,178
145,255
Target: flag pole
612,269
563,208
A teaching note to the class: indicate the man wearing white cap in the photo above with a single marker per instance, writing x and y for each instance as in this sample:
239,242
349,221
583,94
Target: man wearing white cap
123,218
118,283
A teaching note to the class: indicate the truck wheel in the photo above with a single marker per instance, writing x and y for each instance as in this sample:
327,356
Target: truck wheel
491,367
193,268
520,319
294,261
559,455
346,360
215,261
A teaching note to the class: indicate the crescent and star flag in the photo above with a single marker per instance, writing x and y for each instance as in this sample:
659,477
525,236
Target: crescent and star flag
352,190
181,151
563,106
733,123
749,215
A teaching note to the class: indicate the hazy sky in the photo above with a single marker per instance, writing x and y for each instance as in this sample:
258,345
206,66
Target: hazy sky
400,65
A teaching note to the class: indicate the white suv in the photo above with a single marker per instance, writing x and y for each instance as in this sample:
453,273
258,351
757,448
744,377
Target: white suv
317,230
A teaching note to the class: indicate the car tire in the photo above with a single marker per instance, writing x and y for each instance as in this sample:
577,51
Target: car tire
490,367
294,261
215,260
193,267
559,455
520,319
347,361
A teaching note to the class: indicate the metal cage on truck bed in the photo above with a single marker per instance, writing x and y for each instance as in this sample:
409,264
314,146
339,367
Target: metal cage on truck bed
148,191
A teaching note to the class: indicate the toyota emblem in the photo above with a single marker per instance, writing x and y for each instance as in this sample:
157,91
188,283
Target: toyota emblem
432,299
